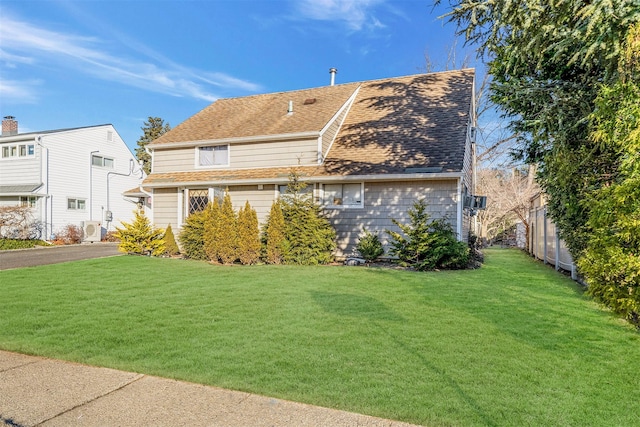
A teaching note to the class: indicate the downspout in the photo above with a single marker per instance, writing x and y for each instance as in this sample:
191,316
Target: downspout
47,230
459,210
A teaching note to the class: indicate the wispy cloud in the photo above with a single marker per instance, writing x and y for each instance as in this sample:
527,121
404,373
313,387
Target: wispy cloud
20,91
28,44
355,14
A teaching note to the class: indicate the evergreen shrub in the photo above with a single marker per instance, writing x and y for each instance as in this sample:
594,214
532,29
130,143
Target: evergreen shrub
140,237
426,244
369,246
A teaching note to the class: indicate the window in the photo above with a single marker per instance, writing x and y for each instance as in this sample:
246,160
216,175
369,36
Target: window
216,155
29,201
344,195
104,162
21,150
76,204
198,200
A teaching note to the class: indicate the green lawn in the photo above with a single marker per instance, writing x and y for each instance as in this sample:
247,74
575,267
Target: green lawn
513,343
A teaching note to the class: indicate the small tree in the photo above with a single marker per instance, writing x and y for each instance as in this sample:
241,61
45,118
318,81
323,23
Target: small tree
369,246
192,236
310,237
140,237
171,247
427,244
212,231
275,242
227,238
248,235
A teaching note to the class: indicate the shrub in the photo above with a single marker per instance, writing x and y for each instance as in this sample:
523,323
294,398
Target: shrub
309,235
17,222
274,239
248,235
228,236
171,247
192,236
369,246
70,235
10,244
212,231
427,244
140,237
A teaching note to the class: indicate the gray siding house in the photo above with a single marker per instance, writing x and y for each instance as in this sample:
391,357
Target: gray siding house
68,176
369,150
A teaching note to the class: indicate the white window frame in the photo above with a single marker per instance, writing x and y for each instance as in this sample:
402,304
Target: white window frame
102,161
29,201
214,147
340,203
76,204
17,151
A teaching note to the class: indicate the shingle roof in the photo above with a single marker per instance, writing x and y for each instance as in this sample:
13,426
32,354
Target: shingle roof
394,125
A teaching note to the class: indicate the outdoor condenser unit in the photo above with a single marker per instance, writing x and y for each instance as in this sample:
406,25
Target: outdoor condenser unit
92,231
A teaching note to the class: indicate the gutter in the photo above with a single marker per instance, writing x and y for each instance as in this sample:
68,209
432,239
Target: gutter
318,179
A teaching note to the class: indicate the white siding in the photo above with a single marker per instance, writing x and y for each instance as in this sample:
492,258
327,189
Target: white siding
26,170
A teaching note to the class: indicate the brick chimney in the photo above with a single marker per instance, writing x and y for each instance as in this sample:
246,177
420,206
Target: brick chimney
9,126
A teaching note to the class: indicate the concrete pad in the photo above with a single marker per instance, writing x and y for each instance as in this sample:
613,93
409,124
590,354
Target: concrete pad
13,360
33,393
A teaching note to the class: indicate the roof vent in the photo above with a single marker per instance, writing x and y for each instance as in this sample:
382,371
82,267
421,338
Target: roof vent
309,101
333,72
290,109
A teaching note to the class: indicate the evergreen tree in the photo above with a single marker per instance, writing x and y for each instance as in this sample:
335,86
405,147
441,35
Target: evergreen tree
140,237
427,244
153,128
171,247
212,231
309,235
192,235
227,238
369,246
275,243
248,235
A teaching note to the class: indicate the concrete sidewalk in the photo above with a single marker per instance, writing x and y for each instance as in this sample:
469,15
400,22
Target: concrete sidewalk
36,391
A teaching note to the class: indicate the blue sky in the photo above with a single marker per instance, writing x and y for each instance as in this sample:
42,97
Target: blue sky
81,63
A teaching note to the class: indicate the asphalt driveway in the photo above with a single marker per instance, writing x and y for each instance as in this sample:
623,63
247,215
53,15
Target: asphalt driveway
56,254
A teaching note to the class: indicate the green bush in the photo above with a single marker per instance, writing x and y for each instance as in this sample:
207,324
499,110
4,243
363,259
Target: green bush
192,235
248,235
171,247
140,237
309,235
427,244
211,221
273,235
228,236
369,246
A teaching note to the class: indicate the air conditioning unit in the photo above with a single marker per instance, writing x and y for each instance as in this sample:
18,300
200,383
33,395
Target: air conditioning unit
92,231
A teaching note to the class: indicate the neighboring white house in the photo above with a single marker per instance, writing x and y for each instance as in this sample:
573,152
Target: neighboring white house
69,177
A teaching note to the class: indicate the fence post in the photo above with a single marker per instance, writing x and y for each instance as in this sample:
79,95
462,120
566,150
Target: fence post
557,250
544,235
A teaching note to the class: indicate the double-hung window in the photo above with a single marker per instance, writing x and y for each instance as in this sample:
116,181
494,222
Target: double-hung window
213,155
344,195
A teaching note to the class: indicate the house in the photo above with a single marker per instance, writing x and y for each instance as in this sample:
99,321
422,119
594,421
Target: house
368,150
68,177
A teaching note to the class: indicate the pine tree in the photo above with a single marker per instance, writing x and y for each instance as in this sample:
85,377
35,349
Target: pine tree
171,247
275,243
248,235
227,238
140,237
153,128
192,236
310,236
212,231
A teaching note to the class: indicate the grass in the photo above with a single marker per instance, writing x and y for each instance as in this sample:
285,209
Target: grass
513,343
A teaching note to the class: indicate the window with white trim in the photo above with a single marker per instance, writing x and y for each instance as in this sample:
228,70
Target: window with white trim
213,155
104,162
76,204
343,195
18,151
